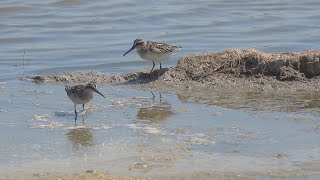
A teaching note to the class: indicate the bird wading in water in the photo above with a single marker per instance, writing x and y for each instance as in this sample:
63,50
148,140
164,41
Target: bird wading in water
81,94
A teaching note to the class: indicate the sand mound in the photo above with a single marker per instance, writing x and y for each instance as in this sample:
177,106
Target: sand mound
236,68
250,62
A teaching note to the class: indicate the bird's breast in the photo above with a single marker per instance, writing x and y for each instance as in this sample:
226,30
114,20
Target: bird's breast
80,98
153,56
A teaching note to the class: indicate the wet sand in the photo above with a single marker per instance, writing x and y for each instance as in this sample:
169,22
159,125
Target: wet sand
312,170
248,70
260,79
91,174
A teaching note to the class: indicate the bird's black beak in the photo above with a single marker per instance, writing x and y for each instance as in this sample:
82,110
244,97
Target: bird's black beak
95,90
132,48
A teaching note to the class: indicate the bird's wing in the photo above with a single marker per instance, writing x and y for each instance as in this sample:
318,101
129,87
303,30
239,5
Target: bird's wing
76,89
163,48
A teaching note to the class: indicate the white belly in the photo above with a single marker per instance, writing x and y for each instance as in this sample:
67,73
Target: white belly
154,56
82,99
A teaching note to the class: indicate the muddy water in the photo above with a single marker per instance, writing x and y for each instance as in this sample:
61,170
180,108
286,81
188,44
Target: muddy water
143,131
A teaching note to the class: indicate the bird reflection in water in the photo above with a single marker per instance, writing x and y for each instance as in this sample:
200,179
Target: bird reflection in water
158,112
80,137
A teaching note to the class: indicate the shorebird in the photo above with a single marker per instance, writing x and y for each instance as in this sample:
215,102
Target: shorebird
153,51
81,94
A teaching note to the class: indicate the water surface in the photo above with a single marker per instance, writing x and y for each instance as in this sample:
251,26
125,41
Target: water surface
134,131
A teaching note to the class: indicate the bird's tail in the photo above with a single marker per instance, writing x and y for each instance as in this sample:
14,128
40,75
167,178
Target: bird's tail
67,87
178,47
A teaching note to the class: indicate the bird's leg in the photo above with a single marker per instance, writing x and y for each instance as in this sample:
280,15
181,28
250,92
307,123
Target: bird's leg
153,96
76,114
152,67
82,107
75,109
160,97
83,121
159,69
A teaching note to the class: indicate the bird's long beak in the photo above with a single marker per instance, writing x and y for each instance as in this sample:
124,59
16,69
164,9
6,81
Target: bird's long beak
99,92
132,48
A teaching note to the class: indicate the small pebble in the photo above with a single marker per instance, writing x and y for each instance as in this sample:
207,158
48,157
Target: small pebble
91,171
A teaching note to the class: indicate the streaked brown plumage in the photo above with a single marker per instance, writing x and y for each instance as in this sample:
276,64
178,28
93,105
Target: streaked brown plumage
81,94
153,51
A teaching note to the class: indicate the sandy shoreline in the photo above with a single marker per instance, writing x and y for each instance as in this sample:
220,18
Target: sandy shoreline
312,170
228,73
244,69
105,176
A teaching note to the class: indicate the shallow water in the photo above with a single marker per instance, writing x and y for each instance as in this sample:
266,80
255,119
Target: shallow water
139,131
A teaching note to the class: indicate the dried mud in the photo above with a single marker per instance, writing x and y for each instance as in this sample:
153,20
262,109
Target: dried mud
248,69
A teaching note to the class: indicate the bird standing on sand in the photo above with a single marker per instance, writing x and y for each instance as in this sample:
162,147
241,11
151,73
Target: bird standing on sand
153,51
81,94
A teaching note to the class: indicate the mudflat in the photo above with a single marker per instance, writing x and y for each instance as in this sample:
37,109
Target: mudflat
245,69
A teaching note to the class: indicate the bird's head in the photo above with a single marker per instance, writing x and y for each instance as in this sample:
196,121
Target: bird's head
93,87
137,44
